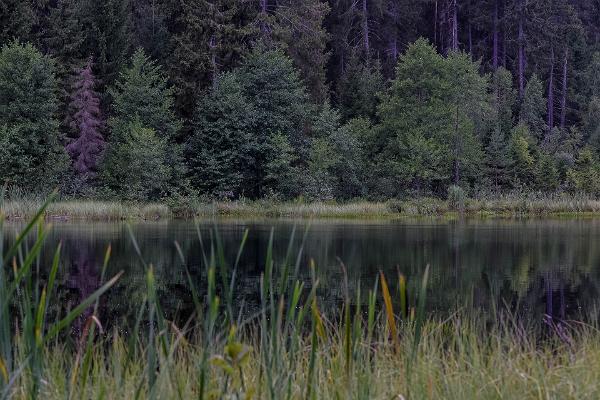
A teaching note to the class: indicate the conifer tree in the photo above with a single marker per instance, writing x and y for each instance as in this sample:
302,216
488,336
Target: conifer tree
533,108
31,154
301,28
142,107
86,123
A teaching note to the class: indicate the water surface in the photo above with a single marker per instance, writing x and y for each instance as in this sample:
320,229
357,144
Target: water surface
540,266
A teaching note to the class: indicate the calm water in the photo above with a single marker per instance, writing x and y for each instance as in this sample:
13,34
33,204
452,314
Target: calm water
538,266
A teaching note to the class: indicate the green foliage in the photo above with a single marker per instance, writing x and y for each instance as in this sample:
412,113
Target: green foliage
31,154
533,108
457,198
585,174
358,89
301,28
546,174
136,167
143,103
250,129
504,98
520,149
430,119
499,159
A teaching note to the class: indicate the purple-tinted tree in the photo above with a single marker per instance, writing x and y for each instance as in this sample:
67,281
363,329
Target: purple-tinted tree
86,121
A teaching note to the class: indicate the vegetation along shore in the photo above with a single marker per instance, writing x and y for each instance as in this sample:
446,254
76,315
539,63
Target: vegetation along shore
507,206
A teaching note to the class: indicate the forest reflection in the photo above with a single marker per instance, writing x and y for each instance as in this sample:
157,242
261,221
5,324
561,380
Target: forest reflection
545,269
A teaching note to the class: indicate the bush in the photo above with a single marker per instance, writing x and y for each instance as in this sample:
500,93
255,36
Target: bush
457,198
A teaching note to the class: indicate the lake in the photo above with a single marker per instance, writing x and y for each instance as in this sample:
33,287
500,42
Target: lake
535,266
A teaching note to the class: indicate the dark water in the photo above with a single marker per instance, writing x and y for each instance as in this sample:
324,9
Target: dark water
538,266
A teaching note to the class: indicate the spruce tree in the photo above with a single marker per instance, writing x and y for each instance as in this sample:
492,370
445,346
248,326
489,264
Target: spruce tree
86,123
16,21
142,107
31,155
533,108
301,28
358,89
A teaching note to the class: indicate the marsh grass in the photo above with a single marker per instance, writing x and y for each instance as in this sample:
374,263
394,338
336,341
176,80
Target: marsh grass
508,205
383,348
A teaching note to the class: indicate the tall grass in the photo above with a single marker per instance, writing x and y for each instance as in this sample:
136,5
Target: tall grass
288,349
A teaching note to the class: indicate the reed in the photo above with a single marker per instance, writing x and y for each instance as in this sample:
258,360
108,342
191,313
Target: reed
288,349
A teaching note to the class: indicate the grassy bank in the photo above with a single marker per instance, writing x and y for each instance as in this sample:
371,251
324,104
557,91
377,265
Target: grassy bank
380,345
505,206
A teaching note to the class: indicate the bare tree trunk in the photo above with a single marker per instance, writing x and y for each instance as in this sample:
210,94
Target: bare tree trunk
503,27
551,93
470,40
521,56
563,100
495,37
454,35
435,26
365,27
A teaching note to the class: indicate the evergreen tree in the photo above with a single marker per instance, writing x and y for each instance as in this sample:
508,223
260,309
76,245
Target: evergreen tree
585,174
142,97
210,37
301,28
520,149
31,155
222,143
16,21
241,123
504,98
136,166
358,89
105,35
87,124
533,108
499,159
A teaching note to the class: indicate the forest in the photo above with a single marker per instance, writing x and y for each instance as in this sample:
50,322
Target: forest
145,100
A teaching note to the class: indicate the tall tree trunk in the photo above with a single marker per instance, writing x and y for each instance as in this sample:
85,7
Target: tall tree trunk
503,27
470,40
495,37
365,27
435,25
521,55
551,93
563,99
454,34
394,48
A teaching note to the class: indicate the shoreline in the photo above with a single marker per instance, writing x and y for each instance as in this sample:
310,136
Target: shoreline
504,208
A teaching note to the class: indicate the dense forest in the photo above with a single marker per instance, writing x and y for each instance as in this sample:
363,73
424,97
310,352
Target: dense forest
339,99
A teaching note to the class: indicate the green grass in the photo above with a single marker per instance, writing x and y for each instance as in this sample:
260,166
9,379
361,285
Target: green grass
289,349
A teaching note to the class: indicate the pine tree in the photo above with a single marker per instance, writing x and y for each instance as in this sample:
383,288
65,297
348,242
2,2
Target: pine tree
87,124
31,155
